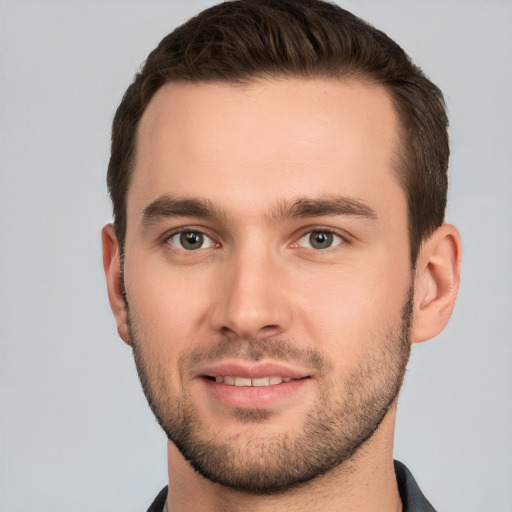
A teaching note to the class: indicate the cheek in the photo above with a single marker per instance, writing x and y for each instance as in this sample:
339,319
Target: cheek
163,309
352,310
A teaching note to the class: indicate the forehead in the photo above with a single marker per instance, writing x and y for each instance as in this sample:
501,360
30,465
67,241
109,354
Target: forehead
265,142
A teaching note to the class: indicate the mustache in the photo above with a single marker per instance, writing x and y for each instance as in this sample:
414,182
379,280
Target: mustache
254,350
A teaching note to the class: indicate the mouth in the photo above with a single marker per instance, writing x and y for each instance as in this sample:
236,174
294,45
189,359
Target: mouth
248,382
255,386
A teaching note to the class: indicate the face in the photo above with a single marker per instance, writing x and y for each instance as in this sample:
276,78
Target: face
267,274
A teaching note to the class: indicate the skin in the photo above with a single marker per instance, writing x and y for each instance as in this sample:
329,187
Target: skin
249,151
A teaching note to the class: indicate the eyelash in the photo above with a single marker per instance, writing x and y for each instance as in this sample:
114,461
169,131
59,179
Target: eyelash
187,229
344,238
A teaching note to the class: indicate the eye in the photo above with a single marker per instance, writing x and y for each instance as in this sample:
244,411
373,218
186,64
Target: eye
320,240
190,240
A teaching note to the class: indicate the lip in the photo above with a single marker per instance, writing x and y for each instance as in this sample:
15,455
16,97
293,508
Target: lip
252,371
251,397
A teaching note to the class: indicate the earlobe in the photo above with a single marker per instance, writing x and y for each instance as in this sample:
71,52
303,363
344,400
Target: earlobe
112,268
437,279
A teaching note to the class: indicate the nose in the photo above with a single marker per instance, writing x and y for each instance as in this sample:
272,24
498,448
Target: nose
251,300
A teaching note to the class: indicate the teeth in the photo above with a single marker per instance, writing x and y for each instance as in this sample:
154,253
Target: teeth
246,382
262,381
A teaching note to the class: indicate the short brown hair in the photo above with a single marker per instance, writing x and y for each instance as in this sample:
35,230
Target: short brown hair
245,40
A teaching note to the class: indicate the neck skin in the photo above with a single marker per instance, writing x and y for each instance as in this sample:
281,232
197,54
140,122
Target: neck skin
367,482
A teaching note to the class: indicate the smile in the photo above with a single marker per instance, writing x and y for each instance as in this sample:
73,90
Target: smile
259,387
256,382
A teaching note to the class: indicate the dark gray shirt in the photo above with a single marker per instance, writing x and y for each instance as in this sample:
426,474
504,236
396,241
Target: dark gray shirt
412,497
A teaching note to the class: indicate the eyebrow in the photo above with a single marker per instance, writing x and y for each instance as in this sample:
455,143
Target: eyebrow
168,207
319,207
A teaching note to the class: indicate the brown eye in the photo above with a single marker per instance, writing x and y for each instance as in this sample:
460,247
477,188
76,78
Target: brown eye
190,240
320,240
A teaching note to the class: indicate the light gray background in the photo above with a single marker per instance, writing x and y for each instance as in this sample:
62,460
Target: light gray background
75,431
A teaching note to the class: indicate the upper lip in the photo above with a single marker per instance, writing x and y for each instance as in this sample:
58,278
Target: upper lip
252,371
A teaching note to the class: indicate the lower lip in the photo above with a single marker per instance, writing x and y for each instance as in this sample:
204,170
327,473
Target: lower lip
254,397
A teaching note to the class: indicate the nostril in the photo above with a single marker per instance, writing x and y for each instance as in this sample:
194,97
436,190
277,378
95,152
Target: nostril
226,331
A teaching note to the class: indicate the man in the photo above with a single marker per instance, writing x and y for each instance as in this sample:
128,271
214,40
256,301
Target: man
278,176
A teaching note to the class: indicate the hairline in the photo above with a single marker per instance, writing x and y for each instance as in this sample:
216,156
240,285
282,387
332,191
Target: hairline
399,161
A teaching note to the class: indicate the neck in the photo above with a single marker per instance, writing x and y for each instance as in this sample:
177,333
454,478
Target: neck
365,483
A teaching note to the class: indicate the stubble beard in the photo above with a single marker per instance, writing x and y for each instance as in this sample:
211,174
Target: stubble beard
333,431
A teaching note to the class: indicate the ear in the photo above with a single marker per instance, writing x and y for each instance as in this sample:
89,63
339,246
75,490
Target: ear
112,267
437,279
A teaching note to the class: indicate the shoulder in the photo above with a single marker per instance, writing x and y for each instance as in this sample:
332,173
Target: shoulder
159,501
413,500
